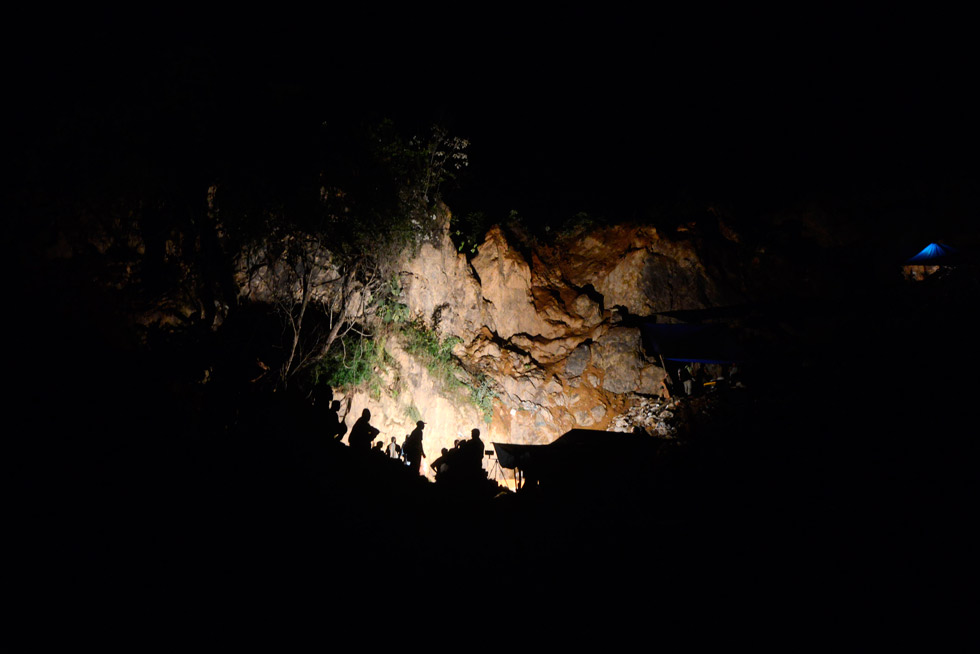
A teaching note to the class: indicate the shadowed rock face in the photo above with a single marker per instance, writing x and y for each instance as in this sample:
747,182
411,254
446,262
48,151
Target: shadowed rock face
619,355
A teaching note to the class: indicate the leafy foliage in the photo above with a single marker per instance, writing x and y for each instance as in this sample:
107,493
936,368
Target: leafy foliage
468,231
412,412
367,219
482,395
364,362
435,354
388,309
358,362
327,254
420,166
579,224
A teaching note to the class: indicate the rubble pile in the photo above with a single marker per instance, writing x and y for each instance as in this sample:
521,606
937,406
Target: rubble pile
655,415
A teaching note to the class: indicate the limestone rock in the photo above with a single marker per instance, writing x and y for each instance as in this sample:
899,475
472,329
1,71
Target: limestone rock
534,305
618,355
650,379
577,361
637,268
543,321
584,418
505,283
439,283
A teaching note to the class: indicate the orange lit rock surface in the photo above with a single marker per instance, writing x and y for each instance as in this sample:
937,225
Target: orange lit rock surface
546,325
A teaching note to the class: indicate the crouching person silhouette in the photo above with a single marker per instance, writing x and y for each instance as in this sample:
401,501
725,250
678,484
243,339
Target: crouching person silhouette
362,433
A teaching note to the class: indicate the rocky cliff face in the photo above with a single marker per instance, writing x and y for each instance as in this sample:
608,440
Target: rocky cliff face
548,329
551,327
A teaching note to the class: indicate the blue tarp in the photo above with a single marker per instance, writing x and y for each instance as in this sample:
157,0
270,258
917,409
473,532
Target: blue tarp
696,343
935,254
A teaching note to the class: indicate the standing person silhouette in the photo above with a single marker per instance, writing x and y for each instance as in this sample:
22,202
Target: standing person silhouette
474,451
413,447
687,379
394,450
334,426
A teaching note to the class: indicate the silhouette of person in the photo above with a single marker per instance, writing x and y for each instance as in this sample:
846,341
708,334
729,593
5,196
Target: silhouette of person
405,447
474,450
335,427
441,464
687,379
394,450
699,374
362,433
413,447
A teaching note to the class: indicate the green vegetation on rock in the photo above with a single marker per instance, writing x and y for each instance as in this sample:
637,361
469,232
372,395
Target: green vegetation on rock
364,362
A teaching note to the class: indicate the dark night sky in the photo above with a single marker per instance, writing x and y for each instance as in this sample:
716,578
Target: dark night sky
609,112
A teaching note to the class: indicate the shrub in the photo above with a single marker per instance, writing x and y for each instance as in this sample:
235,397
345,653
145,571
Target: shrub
468,230
434,353
359,361
363,362
482,395
412,412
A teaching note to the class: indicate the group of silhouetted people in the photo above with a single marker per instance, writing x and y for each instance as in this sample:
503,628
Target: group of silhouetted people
464,460
410,452
363,435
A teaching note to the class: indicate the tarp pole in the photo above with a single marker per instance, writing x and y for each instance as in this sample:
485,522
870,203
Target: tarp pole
663,364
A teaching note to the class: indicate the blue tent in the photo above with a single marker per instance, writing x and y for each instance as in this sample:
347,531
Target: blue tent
935,254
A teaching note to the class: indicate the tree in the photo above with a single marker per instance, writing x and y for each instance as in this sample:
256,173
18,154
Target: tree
326,266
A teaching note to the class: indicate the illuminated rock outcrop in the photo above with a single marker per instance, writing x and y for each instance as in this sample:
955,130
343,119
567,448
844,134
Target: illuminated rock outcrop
549,329
553,328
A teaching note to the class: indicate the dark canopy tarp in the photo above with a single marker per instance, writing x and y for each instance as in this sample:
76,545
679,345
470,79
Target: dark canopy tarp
699,343
935,254
582,456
